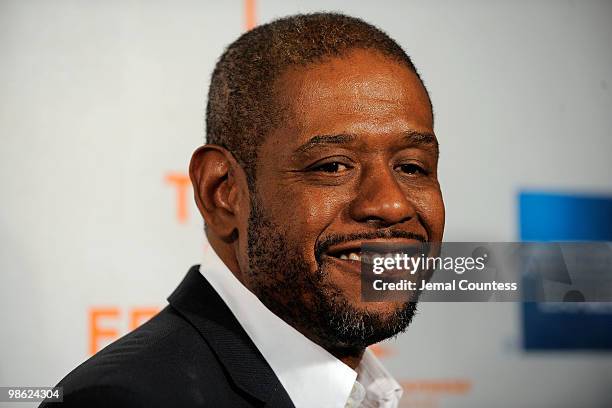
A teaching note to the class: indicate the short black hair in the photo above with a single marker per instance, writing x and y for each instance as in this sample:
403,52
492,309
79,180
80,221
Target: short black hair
242,109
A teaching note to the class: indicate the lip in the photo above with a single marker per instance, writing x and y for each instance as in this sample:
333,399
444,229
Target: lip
354,266
344,265
357,245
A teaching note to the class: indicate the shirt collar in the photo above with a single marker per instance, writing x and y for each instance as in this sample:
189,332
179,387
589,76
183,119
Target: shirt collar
310,375
381,389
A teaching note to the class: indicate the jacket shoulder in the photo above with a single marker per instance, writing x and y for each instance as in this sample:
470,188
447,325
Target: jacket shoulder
164,362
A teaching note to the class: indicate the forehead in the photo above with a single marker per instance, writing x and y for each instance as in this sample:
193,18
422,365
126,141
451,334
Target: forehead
363,92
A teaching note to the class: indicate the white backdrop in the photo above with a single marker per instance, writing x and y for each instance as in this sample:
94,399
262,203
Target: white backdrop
101,105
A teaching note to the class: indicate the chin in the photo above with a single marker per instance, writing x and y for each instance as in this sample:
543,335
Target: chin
381,308
351,292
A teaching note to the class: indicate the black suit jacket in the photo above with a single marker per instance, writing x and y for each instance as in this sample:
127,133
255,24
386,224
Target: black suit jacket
194,353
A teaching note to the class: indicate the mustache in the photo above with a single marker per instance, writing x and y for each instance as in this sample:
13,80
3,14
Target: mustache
335,239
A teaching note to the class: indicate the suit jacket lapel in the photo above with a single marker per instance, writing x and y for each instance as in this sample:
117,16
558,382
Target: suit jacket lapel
198,302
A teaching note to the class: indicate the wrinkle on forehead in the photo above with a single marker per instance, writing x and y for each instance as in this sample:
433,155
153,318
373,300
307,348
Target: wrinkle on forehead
361,83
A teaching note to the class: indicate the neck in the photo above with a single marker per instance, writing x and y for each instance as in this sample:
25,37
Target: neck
351,357
226,253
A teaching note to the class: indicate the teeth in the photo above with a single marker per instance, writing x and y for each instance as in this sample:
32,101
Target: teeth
351,256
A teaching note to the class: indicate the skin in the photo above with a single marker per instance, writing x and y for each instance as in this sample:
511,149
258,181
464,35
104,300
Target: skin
355,154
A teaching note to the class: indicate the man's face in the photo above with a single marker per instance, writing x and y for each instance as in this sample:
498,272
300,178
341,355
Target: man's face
354,160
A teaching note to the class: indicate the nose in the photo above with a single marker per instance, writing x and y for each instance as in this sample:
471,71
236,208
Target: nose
380,199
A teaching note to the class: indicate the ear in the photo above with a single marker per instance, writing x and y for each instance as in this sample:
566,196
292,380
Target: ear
219,185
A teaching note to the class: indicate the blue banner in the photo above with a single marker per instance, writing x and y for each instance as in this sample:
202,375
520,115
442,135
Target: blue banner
572,325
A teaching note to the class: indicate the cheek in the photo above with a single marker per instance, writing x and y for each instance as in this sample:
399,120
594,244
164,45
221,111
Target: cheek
319,207
430,207
307,213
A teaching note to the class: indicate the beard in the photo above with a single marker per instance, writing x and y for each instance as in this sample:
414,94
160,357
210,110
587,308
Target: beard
282,279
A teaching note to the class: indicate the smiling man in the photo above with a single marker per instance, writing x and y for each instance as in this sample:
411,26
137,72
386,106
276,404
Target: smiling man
319,139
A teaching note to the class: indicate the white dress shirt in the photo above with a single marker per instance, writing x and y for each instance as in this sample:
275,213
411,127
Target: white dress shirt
312,377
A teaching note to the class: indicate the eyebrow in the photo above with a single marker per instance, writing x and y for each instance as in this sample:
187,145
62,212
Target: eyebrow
413,138
423,139
325,140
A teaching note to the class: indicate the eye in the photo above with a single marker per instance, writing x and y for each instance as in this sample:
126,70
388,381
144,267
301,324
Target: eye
411,168
330,167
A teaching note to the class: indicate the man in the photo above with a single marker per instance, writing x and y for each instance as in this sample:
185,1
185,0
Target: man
319,139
